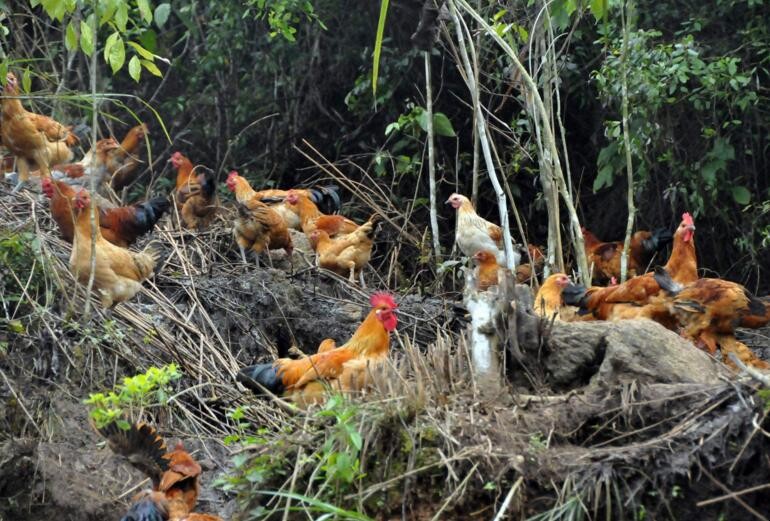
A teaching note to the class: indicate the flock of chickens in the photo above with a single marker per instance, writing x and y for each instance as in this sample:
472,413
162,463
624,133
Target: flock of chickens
704,310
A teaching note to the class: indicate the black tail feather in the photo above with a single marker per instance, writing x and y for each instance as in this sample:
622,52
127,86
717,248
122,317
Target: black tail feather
659,239
264,374
208,183
145,510
327,198
149,213
664,280
756,305
574,295
141,445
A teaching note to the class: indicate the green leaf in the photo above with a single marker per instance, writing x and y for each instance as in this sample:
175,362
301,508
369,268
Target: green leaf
605,177
161,14
144,10
422,119
134,68
26,81
378,44
121,15
442,125
355,439
144,53
71,37
152,68
86,38
741,195
599,9
115,52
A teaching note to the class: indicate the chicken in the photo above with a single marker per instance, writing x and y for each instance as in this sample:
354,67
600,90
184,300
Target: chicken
175,475
33,138
343,368
123,162
605,256
195,194
486,270
346,255
324,196
119,272
258,227
525,272
548,300
757,321
729,344
120,226
638,291
474,234
311,218
708,307
94,164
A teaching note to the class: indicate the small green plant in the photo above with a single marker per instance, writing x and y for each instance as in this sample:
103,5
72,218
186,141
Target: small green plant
129,398
339,454
537,443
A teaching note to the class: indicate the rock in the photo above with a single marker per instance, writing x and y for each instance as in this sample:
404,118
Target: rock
608,353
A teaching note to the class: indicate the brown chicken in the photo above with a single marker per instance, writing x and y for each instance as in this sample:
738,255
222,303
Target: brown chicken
94,164
707,308
258,227
195,194
348,254
605,256
324,196
525,272
121,226
344,368
637,291
119,272
548,300
486,270
311,218
175,475
123,162
36,140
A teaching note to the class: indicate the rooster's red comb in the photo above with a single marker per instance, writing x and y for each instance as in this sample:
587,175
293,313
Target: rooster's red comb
383,299
687,219
232,173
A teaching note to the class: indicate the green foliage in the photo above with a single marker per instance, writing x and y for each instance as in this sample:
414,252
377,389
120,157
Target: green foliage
676,76
336,460
126,22
129,398
22,273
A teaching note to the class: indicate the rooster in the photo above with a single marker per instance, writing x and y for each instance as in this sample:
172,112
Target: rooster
123,162
120,226
258,227
33,138
606,256
175,475
709,307
344,368
325,197
119,272
346,255
311,218
195,194
474,233
637,291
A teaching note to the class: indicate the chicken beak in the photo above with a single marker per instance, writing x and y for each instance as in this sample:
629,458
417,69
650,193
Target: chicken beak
691,228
